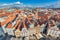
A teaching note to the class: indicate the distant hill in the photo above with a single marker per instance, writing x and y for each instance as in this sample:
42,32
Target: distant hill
17,6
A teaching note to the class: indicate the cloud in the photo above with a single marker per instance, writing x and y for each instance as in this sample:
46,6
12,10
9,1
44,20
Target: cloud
17,2
48,5
5,4
53,5
28,5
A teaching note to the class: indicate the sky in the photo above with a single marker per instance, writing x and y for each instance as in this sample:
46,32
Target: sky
38,3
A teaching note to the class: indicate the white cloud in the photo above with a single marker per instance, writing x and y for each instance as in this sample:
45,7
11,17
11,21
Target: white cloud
17,3
51,4
29,5
54,4
20,4
4,4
